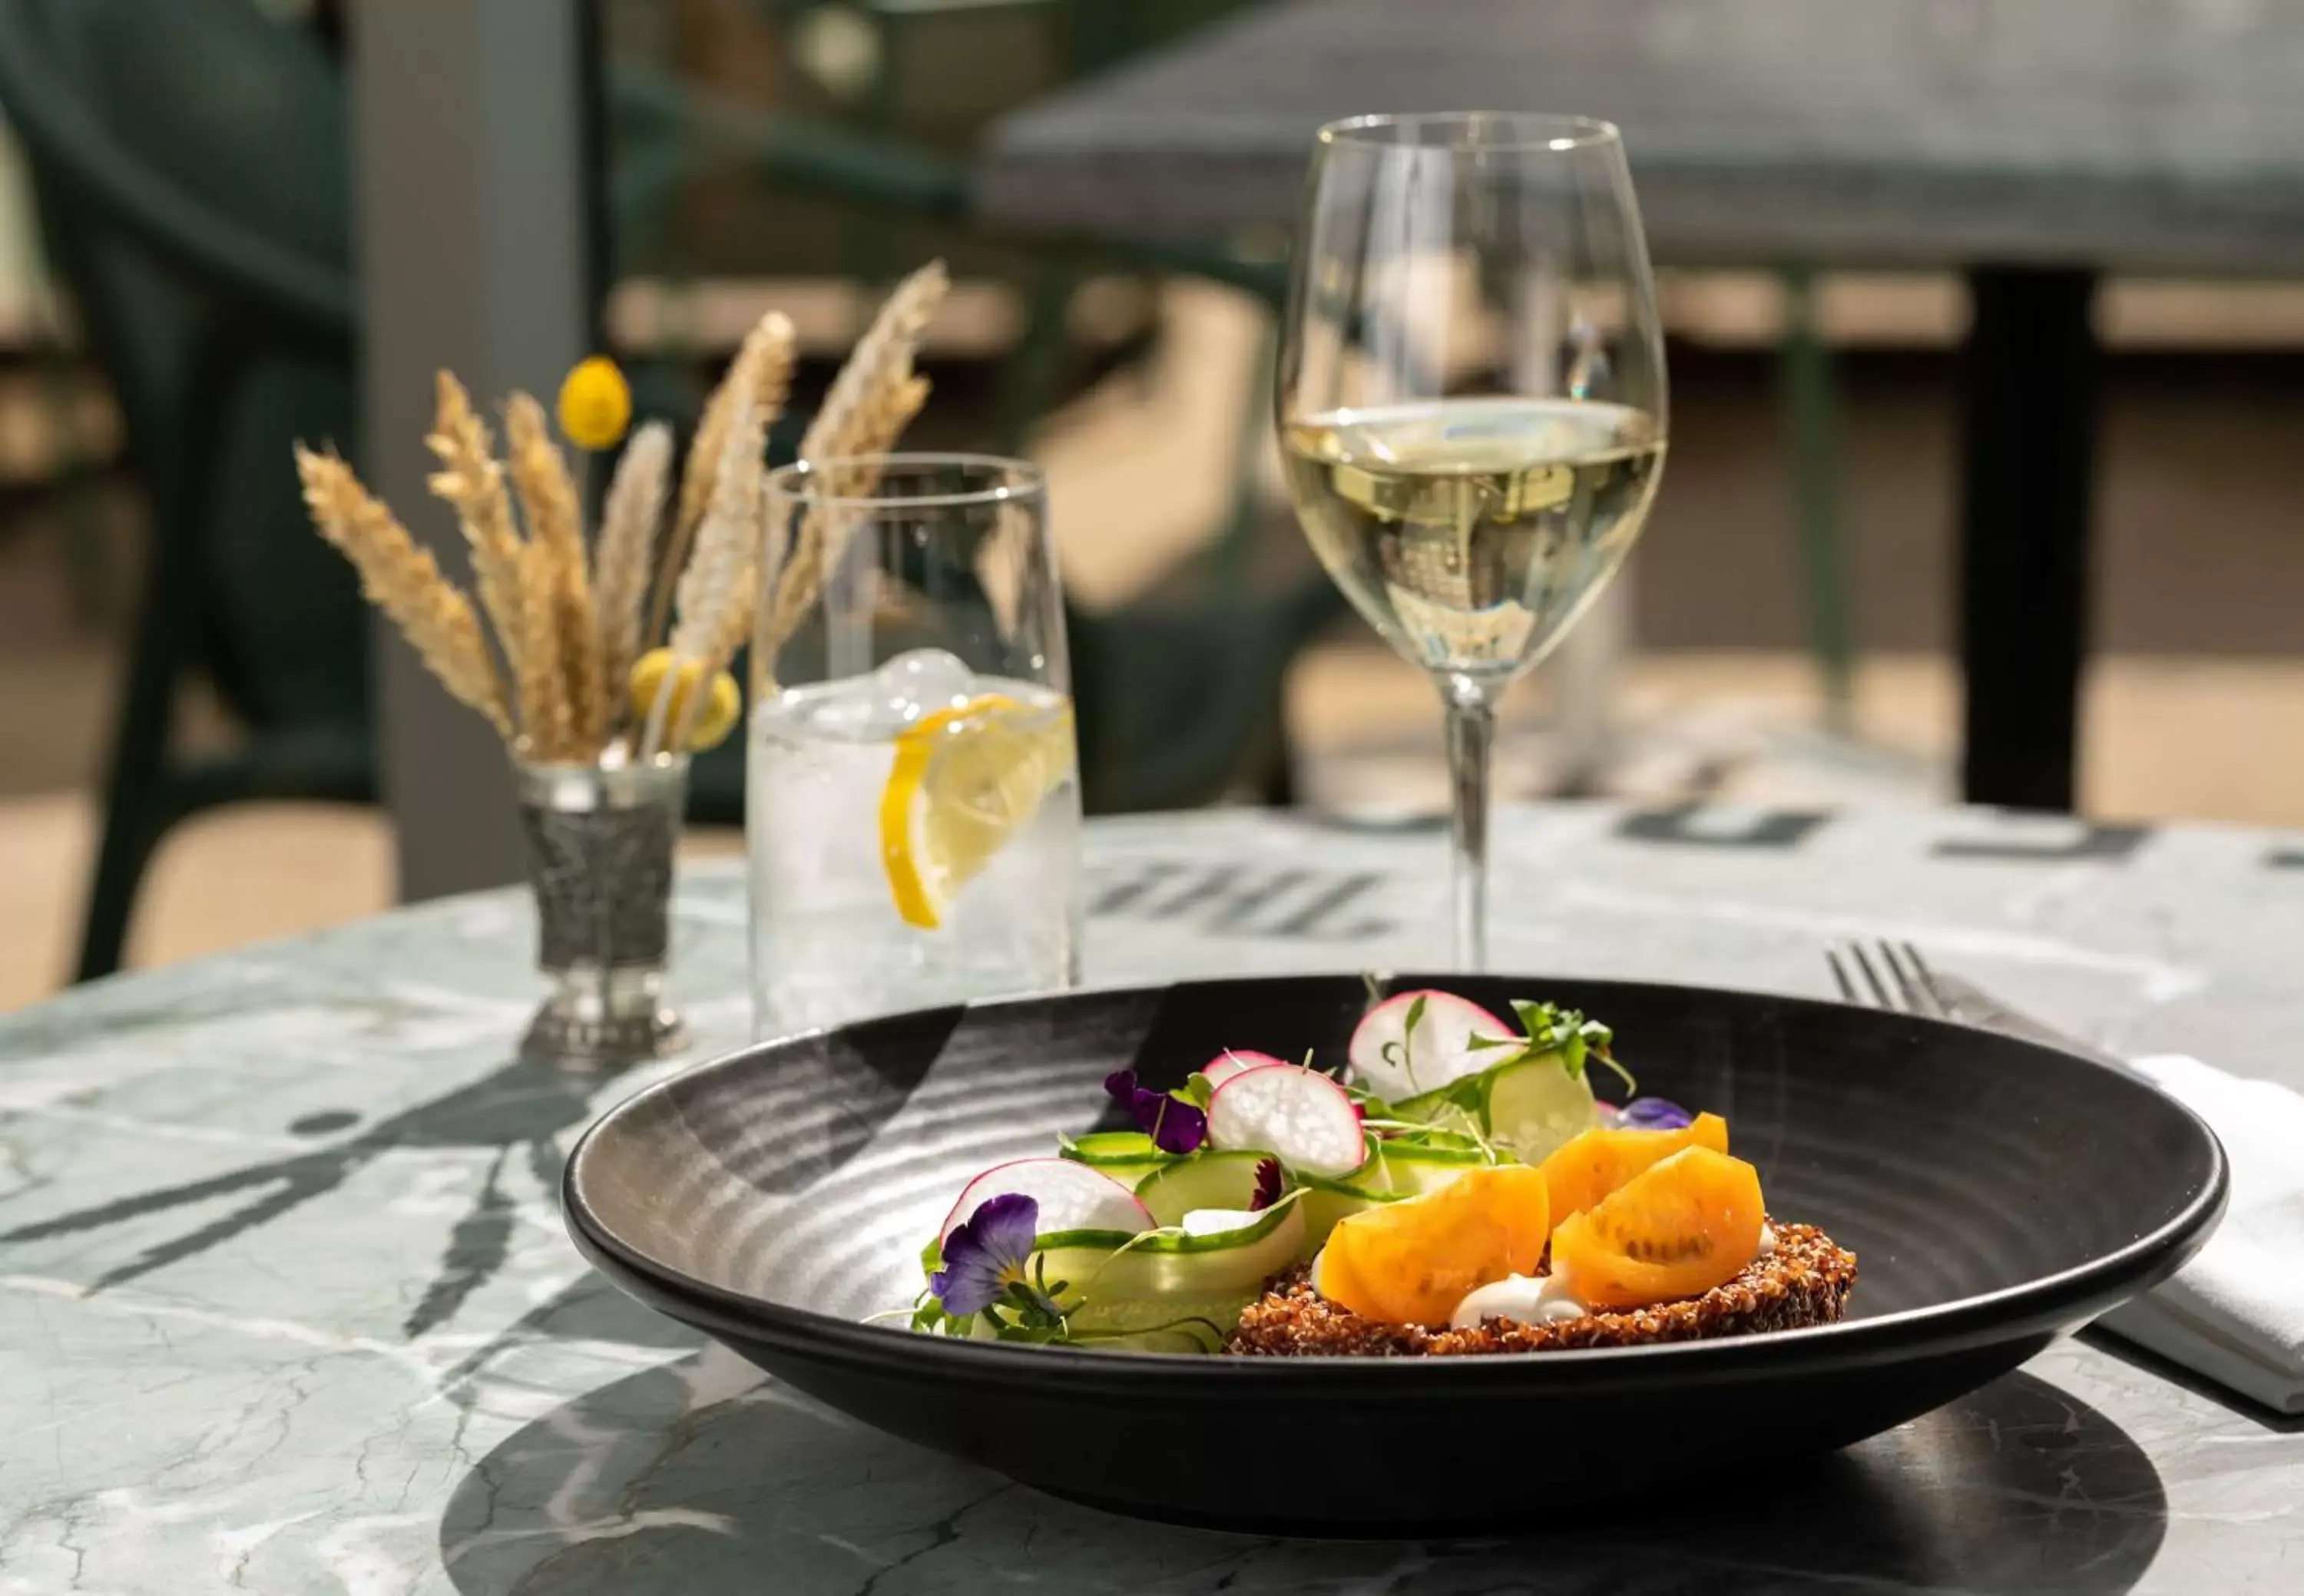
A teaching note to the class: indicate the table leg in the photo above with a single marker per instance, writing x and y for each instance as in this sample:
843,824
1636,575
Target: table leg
2029,388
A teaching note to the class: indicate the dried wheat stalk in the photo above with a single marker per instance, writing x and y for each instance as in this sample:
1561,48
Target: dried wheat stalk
556,523
874,434
762,373
743,608
546,723
881,359
628,529
575,631
712,587
723,541
826,530
401,579
880,422
870,401
472,483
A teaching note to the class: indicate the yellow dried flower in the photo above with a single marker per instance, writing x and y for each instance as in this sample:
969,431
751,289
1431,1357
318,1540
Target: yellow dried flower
716,715
595,404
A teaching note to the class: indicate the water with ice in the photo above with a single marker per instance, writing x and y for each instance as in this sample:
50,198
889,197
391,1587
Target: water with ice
913,684
827,943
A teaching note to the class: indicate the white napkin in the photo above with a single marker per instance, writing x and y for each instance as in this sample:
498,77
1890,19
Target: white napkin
2235,1313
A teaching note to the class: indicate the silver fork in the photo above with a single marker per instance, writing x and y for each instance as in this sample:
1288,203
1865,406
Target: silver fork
1907,989
1893,975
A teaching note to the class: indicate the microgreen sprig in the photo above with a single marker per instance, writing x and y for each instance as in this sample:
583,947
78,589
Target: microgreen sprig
1563,1032
1400,1054
1032,1308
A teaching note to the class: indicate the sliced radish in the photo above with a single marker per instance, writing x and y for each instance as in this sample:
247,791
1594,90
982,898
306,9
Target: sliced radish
1229,1063
1071,1197
1392,1064
1298,1116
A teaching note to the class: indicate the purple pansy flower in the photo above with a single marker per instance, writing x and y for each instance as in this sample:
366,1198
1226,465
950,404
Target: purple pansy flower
1654,1114
987,1253
1174,1124
1268,1184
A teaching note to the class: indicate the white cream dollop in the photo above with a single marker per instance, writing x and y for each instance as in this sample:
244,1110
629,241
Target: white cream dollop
1539,1299
1216,1222
1531,1299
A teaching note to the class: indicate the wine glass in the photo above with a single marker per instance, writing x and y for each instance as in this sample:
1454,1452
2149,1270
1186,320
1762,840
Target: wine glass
1470,399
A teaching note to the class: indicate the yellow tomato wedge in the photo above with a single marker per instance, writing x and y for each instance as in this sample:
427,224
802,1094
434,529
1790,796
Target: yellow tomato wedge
965,780
1676,1230
1588,1166
1413,1261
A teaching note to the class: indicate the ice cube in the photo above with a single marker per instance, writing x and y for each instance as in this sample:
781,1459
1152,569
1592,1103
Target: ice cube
920,682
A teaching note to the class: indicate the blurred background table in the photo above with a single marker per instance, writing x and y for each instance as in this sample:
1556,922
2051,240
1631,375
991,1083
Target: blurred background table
285,1304
2033,144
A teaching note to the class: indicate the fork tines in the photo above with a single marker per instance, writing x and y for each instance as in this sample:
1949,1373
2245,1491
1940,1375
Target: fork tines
1906,987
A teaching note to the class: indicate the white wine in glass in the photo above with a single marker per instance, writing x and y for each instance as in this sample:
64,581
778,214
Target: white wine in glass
1470,400
1469,531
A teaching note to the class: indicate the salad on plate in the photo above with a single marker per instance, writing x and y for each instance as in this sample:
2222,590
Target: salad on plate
1456,1187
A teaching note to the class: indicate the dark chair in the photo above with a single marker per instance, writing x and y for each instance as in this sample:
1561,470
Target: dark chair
190,160
189,163
1180,699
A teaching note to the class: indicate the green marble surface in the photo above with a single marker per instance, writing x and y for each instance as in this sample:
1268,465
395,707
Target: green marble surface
285,1303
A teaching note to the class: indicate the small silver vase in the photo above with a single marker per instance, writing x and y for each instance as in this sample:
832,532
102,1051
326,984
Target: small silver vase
599,844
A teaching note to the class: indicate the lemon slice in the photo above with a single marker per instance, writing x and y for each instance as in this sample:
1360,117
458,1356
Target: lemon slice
965,780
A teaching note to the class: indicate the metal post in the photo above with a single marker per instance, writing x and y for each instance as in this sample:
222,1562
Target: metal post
2031,380
1804,373
475,255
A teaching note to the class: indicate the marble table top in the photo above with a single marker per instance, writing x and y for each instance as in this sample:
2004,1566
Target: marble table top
285,1303
2130,135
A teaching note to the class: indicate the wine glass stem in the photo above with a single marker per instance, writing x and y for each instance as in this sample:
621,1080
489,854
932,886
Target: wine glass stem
1472,732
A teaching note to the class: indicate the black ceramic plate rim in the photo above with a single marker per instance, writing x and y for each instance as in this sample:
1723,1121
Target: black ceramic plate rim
2043,1304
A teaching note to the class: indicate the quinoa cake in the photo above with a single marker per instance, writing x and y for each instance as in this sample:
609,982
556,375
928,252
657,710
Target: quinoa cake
1805,1280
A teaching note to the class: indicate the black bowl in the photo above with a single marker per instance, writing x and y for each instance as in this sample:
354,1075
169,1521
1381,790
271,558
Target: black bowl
1996,1194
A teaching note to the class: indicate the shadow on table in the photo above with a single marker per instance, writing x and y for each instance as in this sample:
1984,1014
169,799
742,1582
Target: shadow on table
516,1111
703,1476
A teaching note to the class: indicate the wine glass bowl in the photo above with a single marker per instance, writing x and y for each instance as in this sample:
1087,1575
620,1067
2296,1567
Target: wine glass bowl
1470,400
